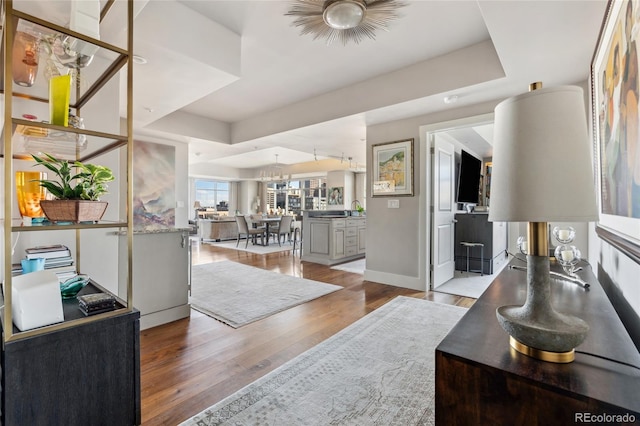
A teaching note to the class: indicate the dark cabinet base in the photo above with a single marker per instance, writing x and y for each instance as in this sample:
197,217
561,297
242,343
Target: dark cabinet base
476,228
88,374
480,380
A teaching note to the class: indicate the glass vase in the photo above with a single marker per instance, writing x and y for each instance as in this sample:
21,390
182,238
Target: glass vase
29,193
59,93
26,48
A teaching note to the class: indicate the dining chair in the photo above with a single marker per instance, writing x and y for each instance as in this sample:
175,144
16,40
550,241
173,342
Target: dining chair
243,229
284,228
296,230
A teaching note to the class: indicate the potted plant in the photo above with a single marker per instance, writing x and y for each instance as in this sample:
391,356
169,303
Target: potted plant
77,190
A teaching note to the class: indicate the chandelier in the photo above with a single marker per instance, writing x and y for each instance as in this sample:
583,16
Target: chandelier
273,173
346,20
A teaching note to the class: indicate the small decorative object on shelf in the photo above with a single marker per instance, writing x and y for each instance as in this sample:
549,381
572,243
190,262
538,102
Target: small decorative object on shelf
92,304
26,51
59,94
567,255
77,195
564,234
70,288
32,265
30,193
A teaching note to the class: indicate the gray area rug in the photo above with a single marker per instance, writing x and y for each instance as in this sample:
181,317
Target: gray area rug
238,294
378,371
251,248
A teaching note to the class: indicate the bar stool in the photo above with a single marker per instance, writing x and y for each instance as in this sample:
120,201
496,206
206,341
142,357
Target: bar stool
469,246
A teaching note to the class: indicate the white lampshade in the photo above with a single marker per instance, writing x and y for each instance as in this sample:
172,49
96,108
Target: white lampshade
542,168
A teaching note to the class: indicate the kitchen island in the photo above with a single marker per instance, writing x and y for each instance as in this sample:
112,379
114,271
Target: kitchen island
332,237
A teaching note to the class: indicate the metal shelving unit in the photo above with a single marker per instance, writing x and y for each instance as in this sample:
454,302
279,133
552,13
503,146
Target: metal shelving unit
22,137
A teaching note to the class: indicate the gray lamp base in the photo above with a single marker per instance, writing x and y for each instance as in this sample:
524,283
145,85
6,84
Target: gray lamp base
536,327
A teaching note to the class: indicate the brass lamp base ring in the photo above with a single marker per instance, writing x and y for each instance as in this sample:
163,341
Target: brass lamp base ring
557,357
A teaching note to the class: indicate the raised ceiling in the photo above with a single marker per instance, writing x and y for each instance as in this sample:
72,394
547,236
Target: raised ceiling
235,77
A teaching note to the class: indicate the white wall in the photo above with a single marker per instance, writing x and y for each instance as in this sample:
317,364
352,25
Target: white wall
361,189
345,180
247,193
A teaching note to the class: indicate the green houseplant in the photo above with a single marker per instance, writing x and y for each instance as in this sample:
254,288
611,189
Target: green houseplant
77,190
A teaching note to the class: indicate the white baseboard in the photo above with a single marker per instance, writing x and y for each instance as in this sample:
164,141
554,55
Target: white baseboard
413,283
154,319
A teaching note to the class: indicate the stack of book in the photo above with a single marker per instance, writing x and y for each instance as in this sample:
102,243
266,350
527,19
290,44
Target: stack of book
57,258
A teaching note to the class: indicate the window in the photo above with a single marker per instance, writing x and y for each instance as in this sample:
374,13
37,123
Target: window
212,193
294,196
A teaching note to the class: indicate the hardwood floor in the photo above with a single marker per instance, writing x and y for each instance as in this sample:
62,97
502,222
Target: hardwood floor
190,364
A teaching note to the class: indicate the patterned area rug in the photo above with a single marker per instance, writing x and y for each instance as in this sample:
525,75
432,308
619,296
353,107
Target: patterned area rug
251,248
378,371
238,294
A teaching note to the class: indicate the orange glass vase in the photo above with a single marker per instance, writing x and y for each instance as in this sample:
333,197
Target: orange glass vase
29,193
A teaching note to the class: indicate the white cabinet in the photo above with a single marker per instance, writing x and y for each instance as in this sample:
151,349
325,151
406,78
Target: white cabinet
160,276
355,242
330,240
338,238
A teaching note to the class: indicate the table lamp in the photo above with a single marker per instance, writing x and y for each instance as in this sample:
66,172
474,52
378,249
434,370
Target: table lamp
197,206
542,172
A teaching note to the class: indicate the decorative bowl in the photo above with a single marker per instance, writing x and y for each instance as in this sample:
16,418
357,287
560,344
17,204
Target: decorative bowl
70,288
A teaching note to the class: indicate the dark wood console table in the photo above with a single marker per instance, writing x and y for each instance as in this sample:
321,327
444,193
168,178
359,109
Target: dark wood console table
480,380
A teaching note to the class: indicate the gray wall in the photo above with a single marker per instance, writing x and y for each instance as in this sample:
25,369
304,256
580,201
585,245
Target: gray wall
398,239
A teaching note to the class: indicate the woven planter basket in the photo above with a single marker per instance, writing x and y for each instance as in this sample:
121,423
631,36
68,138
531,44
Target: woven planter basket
75,211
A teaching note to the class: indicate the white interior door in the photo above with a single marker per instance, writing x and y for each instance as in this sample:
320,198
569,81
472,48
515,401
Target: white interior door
443,210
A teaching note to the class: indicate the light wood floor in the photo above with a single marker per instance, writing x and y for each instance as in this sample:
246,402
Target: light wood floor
191,364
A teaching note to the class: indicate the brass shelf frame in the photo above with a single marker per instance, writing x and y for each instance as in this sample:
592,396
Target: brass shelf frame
124,58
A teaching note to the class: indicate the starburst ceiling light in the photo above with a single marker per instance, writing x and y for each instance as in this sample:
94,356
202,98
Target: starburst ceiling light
344,20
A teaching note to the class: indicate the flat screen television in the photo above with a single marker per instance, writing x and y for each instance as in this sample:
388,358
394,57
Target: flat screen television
469,179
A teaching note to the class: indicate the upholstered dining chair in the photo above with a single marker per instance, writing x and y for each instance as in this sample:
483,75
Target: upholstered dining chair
243,229
284,228
296,230
254,221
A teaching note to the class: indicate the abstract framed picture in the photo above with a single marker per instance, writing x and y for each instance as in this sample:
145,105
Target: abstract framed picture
392,169
615,90
154,192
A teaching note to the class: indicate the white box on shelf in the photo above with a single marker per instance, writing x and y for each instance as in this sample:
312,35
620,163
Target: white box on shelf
36,300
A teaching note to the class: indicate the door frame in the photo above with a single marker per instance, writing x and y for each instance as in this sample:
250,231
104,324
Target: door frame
426,145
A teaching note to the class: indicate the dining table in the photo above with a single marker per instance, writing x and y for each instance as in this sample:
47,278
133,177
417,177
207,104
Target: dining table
267,221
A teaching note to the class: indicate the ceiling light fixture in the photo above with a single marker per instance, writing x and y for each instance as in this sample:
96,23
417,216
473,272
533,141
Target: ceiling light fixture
273,172
140,60
346,20
451,99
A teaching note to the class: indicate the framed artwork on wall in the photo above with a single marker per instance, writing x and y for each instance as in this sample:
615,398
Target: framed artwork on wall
335,196
615,94
392,169
154,186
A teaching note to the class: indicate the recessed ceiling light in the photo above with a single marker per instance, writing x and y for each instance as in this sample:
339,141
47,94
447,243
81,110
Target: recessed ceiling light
451,99
140,60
